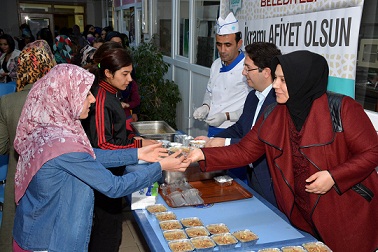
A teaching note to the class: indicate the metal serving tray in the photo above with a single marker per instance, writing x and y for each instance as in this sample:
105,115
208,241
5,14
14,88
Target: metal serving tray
158,130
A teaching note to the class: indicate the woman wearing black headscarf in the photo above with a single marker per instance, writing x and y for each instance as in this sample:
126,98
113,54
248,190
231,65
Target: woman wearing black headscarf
323,176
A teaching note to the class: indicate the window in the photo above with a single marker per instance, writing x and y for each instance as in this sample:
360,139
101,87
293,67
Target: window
183,19
367,62
128,24
206,14
164,26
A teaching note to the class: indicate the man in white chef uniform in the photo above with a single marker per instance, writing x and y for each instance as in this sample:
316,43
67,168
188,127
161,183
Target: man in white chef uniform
227,88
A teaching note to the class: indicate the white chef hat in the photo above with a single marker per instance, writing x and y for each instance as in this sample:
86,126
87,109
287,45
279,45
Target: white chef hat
229,25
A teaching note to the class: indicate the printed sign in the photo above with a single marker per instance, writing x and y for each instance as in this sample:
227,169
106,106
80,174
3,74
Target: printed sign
235,5
326,27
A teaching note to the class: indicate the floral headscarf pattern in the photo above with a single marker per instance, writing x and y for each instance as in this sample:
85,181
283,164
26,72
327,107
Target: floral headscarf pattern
49,124
63,49
87,55
35,60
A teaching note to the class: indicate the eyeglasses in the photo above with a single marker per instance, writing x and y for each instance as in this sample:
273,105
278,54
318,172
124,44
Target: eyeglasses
253,69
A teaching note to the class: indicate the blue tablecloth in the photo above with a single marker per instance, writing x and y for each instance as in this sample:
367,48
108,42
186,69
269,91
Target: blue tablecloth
254,213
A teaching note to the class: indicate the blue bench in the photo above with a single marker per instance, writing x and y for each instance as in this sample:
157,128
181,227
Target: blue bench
7,88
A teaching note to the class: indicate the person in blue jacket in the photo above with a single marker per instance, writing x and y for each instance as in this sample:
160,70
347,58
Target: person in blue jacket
259,76
58,168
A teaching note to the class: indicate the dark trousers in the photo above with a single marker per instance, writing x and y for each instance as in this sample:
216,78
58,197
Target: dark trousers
106,233
259,179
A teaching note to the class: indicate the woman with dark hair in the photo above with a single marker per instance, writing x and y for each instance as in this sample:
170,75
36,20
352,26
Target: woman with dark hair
97,32
88,29
79,39
106,129
115,37
8,59
322,152
46,35
130,98
97,42
105,31
106,46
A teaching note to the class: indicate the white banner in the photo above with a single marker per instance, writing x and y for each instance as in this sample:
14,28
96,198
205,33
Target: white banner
331,33
327,27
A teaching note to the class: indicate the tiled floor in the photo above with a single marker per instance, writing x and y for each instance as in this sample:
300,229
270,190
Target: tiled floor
132,238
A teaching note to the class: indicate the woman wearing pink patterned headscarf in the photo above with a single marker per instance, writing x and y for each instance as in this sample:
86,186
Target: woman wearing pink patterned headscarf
34,62
58,168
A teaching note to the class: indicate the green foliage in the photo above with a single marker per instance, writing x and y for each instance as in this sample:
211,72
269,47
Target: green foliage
159,96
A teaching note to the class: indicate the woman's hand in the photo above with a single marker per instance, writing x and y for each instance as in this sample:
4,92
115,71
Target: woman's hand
319,183
147,142
175,162
152,153
134,117
125,105
196,155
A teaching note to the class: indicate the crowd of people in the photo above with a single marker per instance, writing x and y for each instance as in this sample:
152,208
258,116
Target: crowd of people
70,45
66,129
31,64
67,44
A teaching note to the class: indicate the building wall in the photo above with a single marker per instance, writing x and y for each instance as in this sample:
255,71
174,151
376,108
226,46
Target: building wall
9,18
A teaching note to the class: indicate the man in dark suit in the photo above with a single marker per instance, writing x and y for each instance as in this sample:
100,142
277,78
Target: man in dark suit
259,76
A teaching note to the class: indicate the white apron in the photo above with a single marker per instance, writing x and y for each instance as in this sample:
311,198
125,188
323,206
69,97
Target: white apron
226,91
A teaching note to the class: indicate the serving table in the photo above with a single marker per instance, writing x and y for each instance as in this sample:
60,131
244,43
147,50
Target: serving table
255,214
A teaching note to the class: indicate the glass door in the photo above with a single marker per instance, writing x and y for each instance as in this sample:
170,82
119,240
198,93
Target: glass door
138,26
37,21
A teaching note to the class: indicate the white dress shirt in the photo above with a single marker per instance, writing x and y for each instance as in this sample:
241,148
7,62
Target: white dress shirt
261,96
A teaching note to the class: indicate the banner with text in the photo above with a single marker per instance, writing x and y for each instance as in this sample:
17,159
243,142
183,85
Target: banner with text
331,33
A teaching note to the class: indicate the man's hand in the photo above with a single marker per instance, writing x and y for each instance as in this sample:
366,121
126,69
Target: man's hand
216,120
202,138
201,112
319,183
215,142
